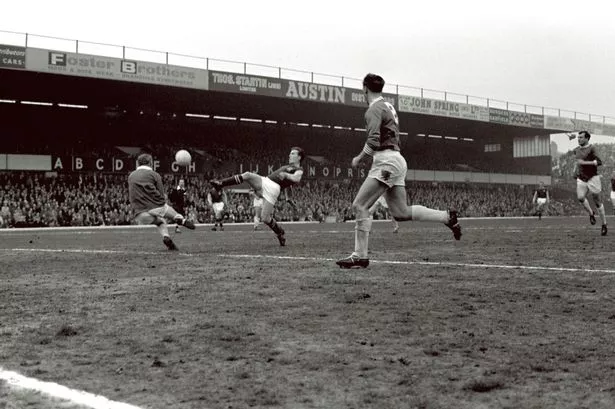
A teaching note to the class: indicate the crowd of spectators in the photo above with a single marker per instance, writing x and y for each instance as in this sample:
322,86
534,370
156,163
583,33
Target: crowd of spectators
32,199
90,199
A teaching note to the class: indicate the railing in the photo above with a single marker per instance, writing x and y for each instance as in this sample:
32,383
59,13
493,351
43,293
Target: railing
162,57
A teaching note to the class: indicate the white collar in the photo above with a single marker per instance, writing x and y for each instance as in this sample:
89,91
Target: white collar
376,100
144,167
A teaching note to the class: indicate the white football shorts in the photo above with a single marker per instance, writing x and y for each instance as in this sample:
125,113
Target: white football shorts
389,167
594,185
271,190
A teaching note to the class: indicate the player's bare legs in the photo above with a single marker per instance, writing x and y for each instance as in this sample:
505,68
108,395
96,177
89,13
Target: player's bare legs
601,212
582,191
395,224
256,182
257,217
161,225
396,198
267,218
370,191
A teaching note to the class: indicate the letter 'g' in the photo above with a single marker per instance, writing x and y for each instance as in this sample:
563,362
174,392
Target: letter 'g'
129,67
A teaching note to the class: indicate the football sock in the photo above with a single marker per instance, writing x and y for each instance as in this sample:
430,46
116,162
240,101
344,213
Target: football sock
361,237
233,180
273,225
425,214
602,213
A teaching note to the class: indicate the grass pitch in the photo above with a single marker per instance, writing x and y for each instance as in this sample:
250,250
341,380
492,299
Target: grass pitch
518,314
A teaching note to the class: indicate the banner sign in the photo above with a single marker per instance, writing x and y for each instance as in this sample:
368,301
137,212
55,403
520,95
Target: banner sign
308,91
125,165
284,88
573,125
12,56
313,171
537,121
93,66
437,107
525,119
499,116
122,164
249,84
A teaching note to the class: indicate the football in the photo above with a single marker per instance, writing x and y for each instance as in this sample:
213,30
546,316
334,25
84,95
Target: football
183,158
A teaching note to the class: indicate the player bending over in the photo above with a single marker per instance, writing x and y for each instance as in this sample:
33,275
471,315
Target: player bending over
146,194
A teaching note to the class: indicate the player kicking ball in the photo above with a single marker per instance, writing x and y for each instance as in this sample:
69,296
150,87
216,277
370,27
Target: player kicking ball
269,187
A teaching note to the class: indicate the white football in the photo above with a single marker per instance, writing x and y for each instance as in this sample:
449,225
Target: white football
183,158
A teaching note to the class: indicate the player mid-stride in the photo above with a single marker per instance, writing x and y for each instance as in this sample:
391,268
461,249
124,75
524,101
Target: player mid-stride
387,175
588,180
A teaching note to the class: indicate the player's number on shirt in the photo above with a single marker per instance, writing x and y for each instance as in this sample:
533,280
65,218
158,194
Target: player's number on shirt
393,111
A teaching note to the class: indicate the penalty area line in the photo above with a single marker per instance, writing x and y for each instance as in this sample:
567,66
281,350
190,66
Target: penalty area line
55,390
434,263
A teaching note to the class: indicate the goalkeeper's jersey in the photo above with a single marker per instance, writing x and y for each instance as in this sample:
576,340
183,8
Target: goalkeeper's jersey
145,190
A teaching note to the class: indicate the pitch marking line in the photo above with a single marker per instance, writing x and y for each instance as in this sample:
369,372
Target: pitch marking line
87,251
422,263
432,263
55,390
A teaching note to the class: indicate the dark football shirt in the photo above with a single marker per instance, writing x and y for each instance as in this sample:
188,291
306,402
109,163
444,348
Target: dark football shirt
145,190
176,197
275,175
216,195
587,152
541,193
